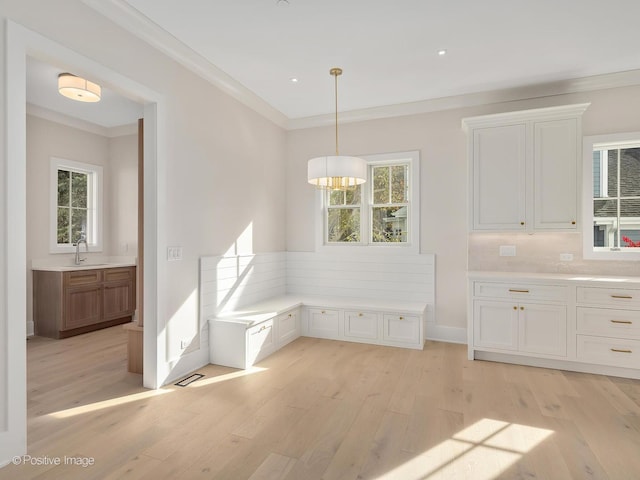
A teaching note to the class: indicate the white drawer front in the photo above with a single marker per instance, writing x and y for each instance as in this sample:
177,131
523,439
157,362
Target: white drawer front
401,329
361,325
608,322
288,327
609,351
261,342
615,297
524,292
324,323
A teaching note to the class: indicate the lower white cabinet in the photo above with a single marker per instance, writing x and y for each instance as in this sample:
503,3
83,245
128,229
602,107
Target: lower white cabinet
361,325
241,342
324,323
569,322
402,330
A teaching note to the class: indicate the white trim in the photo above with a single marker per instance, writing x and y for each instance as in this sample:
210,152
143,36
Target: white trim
95,191
57,117
127,17
410,248
588,142
443,333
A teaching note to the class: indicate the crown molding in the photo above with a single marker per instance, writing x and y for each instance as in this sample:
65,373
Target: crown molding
56,117
127,17
584,84
134,22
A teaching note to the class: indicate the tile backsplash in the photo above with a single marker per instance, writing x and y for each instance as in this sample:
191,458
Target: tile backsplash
540,252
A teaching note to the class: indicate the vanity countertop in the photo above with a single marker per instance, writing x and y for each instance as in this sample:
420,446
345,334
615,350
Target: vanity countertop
89,266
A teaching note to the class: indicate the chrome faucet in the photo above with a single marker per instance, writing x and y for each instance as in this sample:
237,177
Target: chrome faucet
82,239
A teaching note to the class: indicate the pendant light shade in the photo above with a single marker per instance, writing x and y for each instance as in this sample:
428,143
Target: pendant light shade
78,88
336,172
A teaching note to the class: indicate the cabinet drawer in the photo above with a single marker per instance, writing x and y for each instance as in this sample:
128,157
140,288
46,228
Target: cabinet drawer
261,342
324,323
608,322
361,325
401,329
288,327
82,277
118,274
609,351
617,297
520,291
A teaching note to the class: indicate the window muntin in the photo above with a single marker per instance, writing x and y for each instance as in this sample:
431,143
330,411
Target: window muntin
76,200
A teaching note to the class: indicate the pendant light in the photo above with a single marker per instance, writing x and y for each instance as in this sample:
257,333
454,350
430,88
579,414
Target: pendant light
336,172
78,88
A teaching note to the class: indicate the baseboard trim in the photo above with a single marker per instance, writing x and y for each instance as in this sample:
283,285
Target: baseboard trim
442,333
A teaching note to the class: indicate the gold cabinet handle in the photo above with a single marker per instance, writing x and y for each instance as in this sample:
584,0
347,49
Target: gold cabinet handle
521,308
573,222
518,290
619,350
521,223
628,297
322,311
290,315
359,314
626,322
401,318
515,308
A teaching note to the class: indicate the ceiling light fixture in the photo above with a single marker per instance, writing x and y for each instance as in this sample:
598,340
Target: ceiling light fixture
78,88
442,52
336,172
293,80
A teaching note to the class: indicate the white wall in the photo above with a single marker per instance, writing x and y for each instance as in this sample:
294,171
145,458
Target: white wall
119,158
439,138
223,164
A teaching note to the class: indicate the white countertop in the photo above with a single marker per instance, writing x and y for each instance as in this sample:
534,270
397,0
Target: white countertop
554,277
93,262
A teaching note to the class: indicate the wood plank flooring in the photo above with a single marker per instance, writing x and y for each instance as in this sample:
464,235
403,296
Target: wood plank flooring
321,409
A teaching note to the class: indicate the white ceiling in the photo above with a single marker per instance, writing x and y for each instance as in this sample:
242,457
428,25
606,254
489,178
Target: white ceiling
387,49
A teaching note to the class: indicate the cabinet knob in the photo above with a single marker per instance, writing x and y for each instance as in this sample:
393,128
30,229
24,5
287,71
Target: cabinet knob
521,308
360,314
322,311
401,318
521,223
290,315
515,308
573,222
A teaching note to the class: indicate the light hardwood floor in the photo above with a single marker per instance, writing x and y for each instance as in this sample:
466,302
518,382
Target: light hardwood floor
326,409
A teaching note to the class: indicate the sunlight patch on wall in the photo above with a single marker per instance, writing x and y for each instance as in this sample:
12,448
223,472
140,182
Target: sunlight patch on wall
481,451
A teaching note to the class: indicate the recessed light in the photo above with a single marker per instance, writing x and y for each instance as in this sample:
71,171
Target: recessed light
293,80
442,52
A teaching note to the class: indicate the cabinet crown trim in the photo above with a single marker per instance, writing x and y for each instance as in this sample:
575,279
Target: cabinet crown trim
548,113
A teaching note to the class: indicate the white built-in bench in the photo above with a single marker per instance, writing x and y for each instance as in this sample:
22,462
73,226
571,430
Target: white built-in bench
256,304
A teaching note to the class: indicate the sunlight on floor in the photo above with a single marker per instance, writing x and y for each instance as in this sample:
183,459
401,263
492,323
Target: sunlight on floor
112,402
227,376
481,451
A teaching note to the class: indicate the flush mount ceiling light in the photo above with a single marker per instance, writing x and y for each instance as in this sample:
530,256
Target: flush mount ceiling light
336,172
77,88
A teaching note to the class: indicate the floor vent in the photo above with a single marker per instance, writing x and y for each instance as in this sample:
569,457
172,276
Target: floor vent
190,379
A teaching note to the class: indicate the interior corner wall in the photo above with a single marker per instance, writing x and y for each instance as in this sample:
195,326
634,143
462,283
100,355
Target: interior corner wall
122,196
444,189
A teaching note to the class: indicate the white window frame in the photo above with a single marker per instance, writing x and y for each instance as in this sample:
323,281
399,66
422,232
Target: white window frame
95,204
631,139
412,158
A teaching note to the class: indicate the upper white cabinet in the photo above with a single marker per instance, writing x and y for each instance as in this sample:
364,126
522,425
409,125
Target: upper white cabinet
524,169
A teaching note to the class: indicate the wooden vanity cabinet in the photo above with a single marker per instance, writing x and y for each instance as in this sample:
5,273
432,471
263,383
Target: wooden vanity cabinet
79,301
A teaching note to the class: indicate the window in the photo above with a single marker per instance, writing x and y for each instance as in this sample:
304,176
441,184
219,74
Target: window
76,205
381,212
612,197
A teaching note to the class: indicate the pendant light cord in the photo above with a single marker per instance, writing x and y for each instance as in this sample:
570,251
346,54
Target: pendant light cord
336,95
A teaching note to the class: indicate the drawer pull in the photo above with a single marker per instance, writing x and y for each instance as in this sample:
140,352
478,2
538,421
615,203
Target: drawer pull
626,322
290,315
322,311
360,314
628,297
619,350
516,290
401,318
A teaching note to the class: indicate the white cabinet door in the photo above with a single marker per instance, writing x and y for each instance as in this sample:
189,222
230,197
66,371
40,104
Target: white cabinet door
362,325
542,329
495,325
555,161
261,342
499,194
324,323
288,327
401,329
